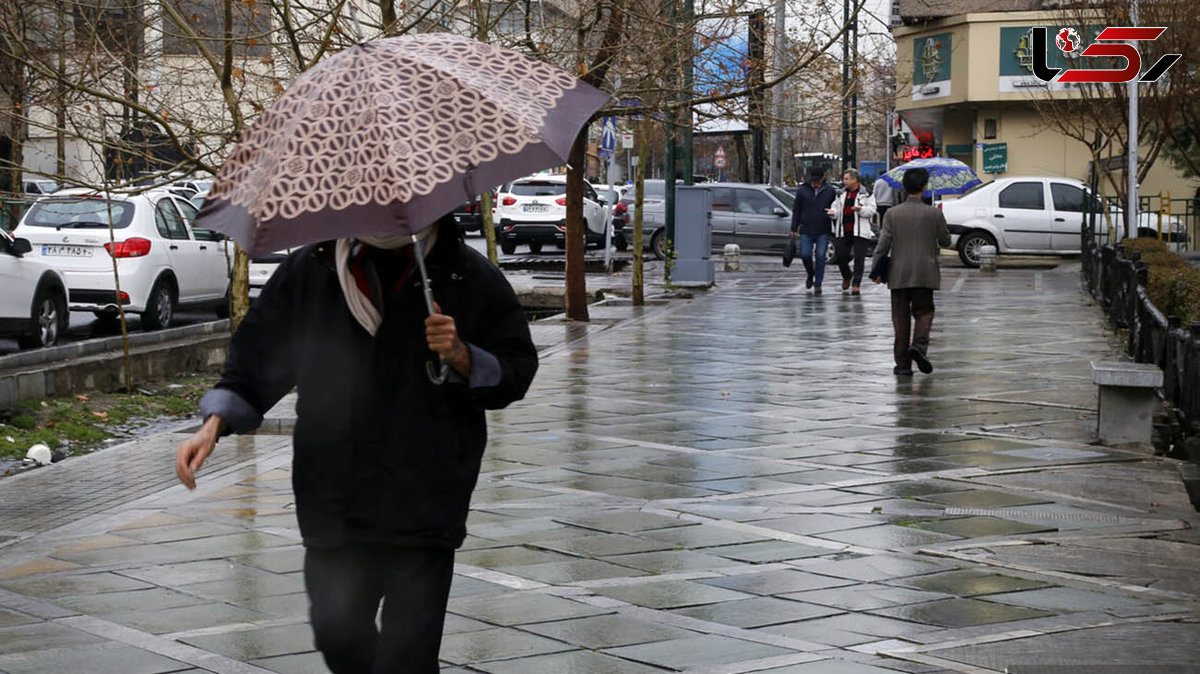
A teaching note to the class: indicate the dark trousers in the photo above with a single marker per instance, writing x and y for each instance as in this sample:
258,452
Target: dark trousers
856,246
912,318
345,586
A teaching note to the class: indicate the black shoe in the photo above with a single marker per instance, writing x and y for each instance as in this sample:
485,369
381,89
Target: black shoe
902,371
920,359
808,282
816,290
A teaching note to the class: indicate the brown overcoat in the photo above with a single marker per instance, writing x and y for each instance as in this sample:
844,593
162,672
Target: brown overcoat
913,234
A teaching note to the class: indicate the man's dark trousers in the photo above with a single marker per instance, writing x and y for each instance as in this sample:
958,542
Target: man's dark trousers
856,247
345,585
911,306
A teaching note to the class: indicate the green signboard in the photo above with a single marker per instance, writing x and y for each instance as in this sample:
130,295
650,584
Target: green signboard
931,59
995,158
1016,52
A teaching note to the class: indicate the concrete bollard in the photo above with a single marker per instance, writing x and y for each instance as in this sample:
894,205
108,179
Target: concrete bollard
733,257
987,259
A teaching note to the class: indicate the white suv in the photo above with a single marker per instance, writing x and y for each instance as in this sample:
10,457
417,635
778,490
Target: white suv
33,306
162,261
533,211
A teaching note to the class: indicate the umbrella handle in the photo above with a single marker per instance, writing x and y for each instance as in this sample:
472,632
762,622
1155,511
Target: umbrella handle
437,374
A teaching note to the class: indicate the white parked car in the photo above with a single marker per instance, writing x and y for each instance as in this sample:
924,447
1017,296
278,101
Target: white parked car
1033,215
533,211
163,263
263,266
33,305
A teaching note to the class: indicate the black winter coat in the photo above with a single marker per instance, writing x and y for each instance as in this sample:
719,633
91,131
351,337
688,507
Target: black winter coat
808,212
381,454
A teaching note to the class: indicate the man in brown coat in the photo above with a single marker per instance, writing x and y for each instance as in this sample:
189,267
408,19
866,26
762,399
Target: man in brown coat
913,233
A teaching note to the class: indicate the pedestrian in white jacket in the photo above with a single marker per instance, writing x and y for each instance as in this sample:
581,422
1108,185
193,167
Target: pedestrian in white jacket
852,212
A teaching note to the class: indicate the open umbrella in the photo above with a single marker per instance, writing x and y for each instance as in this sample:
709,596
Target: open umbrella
387,136
946,176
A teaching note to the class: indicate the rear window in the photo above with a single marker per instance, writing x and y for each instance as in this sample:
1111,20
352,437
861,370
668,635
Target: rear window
538,189
79,213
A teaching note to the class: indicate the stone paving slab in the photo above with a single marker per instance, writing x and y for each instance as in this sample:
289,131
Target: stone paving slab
728,484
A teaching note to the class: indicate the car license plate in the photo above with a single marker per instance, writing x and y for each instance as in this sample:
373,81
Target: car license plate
67,251
535,208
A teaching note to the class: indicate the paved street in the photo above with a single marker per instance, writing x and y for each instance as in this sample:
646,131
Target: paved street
730,483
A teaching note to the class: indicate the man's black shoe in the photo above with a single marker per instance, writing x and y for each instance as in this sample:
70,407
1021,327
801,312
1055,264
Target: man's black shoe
902,371
816,290
920,359
808,282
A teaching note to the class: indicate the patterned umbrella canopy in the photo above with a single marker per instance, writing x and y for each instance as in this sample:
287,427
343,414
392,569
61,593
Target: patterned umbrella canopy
387,136
946,176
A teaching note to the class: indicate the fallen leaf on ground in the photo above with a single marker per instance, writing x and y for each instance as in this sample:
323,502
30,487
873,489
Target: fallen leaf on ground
82,398
102,415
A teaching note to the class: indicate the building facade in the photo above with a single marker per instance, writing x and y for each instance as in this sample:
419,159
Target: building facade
966,89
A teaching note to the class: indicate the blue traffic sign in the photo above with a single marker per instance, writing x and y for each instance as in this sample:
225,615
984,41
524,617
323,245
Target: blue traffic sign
608,135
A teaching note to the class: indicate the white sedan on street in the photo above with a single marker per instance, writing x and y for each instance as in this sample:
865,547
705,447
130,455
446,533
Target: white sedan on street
1034,215
163,263
33,305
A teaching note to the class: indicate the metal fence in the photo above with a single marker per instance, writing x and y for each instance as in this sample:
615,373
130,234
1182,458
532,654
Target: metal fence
1176,221
1117,279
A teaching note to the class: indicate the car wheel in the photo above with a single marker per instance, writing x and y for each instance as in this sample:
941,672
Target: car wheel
658,245
160,308
50,317
535,248
968,247
508,247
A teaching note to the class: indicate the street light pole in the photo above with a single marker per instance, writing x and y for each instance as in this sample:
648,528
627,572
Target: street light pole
689,14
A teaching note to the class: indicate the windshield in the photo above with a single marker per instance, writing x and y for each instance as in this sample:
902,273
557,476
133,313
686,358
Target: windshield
80,212
785,197
539,188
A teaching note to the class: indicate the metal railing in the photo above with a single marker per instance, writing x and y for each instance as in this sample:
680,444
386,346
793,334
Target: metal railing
1117,278
1176,221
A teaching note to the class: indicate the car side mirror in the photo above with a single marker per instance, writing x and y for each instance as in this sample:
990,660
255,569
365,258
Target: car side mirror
602,201
21,247
778,210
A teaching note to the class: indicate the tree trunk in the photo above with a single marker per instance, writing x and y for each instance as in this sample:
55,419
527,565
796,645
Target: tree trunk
639,227
240,284
16,135
488,226
577,309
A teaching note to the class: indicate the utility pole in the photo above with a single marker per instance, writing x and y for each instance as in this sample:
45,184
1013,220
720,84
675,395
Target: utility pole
775,174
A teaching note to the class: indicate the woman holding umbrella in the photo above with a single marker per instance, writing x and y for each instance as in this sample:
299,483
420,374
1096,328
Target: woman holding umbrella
387,447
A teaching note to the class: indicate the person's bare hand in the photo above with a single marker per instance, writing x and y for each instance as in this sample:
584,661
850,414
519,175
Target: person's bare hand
857,209
192,452
441,334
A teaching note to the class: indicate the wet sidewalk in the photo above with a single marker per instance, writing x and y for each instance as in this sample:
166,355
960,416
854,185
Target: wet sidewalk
730,483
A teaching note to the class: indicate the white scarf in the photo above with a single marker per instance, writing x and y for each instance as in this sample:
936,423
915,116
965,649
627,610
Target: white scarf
361,307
